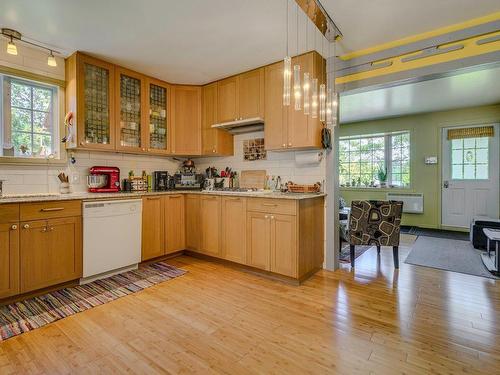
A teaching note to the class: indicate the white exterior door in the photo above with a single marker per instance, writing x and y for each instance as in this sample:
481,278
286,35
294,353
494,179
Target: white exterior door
470,179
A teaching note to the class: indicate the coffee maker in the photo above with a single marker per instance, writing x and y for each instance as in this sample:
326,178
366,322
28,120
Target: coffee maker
104,180
162,181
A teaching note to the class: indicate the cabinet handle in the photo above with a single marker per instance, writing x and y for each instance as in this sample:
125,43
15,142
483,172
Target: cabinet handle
52,228
13,227
44,230
233,199
269,204
284,144
175,196
143,149
266,217
290,144
152,198
272,217
26,226
52,209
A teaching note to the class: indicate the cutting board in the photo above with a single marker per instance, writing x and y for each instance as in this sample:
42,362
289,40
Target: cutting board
253,179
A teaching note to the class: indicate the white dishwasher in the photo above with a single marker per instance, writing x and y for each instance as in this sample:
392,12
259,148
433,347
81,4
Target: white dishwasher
111,237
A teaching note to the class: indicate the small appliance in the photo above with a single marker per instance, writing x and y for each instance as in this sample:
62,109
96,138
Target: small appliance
188,180
161,180
104,180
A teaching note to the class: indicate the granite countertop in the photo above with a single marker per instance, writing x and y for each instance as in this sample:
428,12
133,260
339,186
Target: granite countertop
91,196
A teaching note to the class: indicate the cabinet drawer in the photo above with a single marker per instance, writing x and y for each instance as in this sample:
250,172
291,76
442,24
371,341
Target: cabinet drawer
9,213
49,210
273,206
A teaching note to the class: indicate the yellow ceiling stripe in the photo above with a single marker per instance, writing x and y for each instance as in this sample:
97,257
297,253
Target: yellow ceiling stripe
429,34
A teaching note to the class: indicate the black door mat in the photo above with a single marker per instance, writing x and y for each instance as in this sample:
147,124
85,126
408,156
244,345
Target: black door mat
438,233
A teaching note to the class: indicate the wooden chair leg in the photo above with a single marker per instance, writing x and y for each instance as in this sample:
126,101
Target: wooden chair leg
395,254
352,255
378,249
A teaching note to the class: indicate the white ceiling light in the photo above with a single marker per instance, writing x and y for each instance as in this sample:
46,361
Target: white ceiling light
11,47
51,60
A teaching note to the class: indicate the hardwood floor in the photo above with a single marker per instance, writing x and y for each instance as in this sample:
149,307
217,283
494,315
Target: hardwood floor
217,319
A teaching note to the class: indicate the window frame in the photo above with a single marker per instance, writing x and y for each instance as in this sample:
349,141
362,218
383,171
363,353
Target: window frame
388,158
58,155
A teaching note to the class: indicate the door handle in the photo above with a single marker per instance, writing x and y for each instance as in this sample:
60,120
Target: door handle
446,184
52,209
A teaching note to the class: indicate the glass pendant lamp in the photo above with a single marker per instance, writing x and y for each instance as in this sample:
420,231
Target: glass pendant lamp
287,80
314,98
306,88
297,96
322,102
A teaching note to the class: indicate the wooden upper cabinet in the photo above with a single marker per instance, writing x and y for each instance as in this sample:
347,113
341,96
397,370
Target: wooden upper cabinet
90,86
276,127
175,235
228,103
186,120
251,94
9,259
234,210
241,97
153,244
158,129
285,127
214,141
131,116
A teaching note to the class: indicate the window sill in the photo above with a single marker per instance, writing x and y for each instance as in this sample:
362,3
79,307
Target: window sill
386,189
34,161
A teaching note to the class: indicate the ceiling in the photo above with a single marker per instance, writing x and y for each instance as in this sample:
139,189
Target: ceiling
198,41
481,87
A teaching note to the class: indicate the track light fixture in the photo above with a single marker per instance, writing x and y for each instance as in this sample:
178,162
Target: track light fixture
12,48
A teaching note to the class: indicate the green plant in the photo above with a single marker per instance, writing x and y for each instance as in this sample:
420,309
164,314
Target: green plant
382,175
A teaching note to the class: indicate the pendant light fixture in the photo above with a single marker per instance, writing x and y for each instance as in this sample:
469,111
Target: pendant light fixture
297,95
51,60
314,98
306,88
287,67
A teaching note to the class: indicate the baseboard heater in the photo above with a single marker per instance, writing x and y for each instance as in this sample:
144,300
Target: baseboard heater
412,203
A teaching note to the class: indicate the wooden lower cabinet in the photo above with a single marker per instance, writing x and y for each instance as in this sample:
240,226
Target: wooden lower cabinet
210,225
9,259
192,214
259,240
50,252
284,245
173,210
153,244
234,231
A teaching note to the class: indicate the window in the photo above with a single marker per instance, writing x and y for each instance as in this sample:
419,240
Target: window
362,158
469,158
30,119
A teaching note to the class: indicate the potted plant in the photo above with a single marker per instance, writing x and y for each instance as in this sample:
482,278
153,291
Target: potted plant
382,177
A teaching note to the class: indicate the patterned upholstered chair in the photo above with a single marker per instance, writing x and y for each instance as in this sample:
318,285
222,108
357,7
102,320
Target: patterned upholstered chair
375,223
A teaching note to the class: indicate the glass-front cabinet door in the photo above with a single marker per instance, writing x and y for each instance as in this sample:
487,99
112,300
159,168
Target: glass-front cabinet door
131,111
96,104
158,139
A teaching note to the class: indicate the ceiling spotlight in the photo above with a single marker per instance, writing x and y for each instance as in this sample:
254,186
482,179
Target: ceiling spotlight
51,60
11,48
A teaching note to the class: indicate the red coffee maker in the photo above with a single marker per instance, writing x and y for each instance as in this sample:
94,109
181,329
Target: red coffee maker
104,180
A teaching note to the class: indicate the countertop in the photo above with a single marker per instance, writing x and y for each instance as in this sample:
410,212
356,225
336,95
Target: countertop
92,196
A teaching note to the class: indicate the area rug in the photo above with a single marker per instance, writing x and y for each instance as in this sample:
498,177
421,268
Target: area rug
36,312
345,253
438,233
449,255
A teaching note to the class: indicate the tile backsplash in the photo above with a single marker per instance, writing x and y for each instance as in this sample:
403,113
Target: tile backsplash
40,179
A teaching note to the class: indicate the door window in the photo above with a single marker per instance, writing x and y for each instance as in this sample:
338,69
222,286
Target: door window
469,159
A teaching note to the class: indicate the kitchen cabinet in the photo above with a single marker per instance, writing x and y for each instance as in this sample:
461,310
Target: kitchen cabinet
50,252
192,214
90,96
173,210
259,240
241,96
283,245
215,142
153,243
286,128
186,120
233,235
131,103
158,127
9,260
210,219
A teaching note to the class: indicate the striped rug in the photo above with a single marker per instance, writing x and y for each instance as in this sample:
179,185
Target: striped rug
36,312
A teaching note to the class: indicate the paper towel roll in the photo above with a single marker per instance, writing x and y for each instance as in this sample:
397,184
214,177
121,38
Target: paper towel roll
308,158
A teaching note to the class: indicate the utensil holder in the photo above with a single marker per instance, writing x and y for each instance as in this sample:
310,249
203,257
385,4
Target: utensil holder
64,188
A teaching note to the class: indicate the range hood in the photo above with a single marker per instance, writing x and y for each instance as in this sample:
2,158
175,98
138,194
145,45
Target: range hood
247,125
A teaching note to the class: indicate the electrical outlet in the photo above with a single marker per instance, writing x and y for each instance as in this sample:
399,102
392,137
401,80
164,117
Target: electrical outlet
75,178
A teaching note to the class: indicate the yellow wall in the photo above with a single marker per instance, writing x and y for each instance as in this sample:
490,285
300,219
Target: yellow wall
425,135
